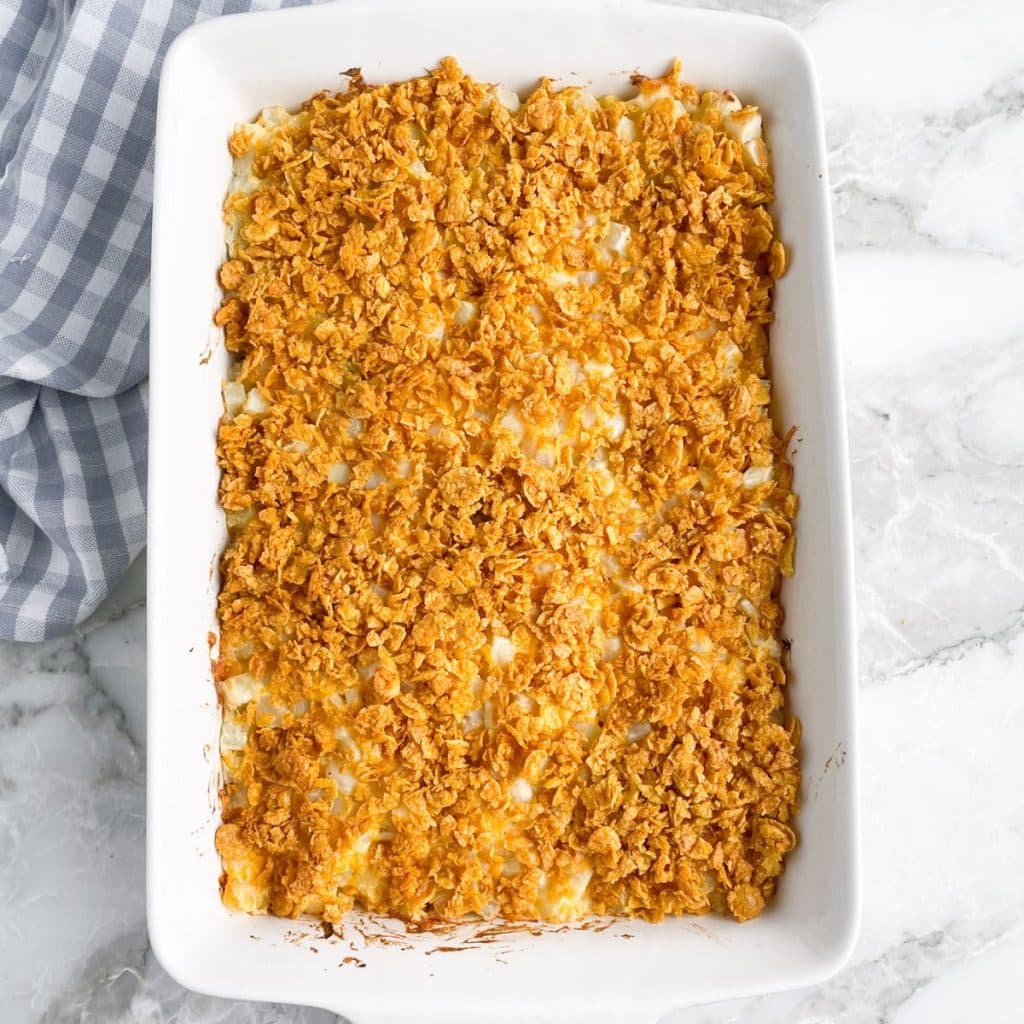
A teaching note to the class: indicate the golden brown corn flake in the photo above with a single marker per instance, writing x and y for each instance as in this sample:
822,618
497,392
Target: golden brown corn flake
499,614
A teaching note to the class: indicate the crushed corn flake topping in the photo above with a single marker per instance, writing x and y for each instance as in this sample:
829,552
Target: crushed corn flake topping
507,512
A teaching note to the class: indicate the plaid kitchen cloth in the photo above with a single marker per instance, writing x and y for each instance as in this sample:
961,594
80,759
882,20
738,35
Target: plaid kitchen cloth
78,89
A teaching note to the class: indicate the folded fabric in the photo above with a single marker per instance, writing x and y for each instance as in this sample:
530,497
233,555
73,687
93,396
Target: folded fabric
78,90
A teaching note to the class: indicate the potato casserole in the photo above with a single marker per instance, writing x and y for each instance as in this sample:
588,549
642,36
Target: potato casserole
507,512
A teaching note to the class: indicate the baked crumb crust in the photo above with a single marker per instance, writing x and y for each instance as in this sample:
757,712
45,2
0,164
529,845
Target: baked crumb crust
507,512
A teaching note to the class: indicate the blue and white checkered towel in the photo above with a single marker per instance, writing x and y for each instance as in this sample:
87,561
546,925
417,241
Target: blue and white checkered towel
78,87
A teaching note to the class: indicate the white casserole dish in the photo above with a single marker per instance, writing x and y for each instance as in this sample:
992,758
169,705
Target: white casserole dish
225,71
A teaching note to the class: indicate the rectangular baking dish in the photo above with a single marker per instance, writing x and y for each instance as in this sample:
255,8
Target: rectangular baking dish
225,71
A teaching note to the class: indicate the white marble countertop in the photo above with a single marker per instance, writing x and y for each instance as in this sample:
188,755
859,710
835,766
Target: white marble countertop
925,114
